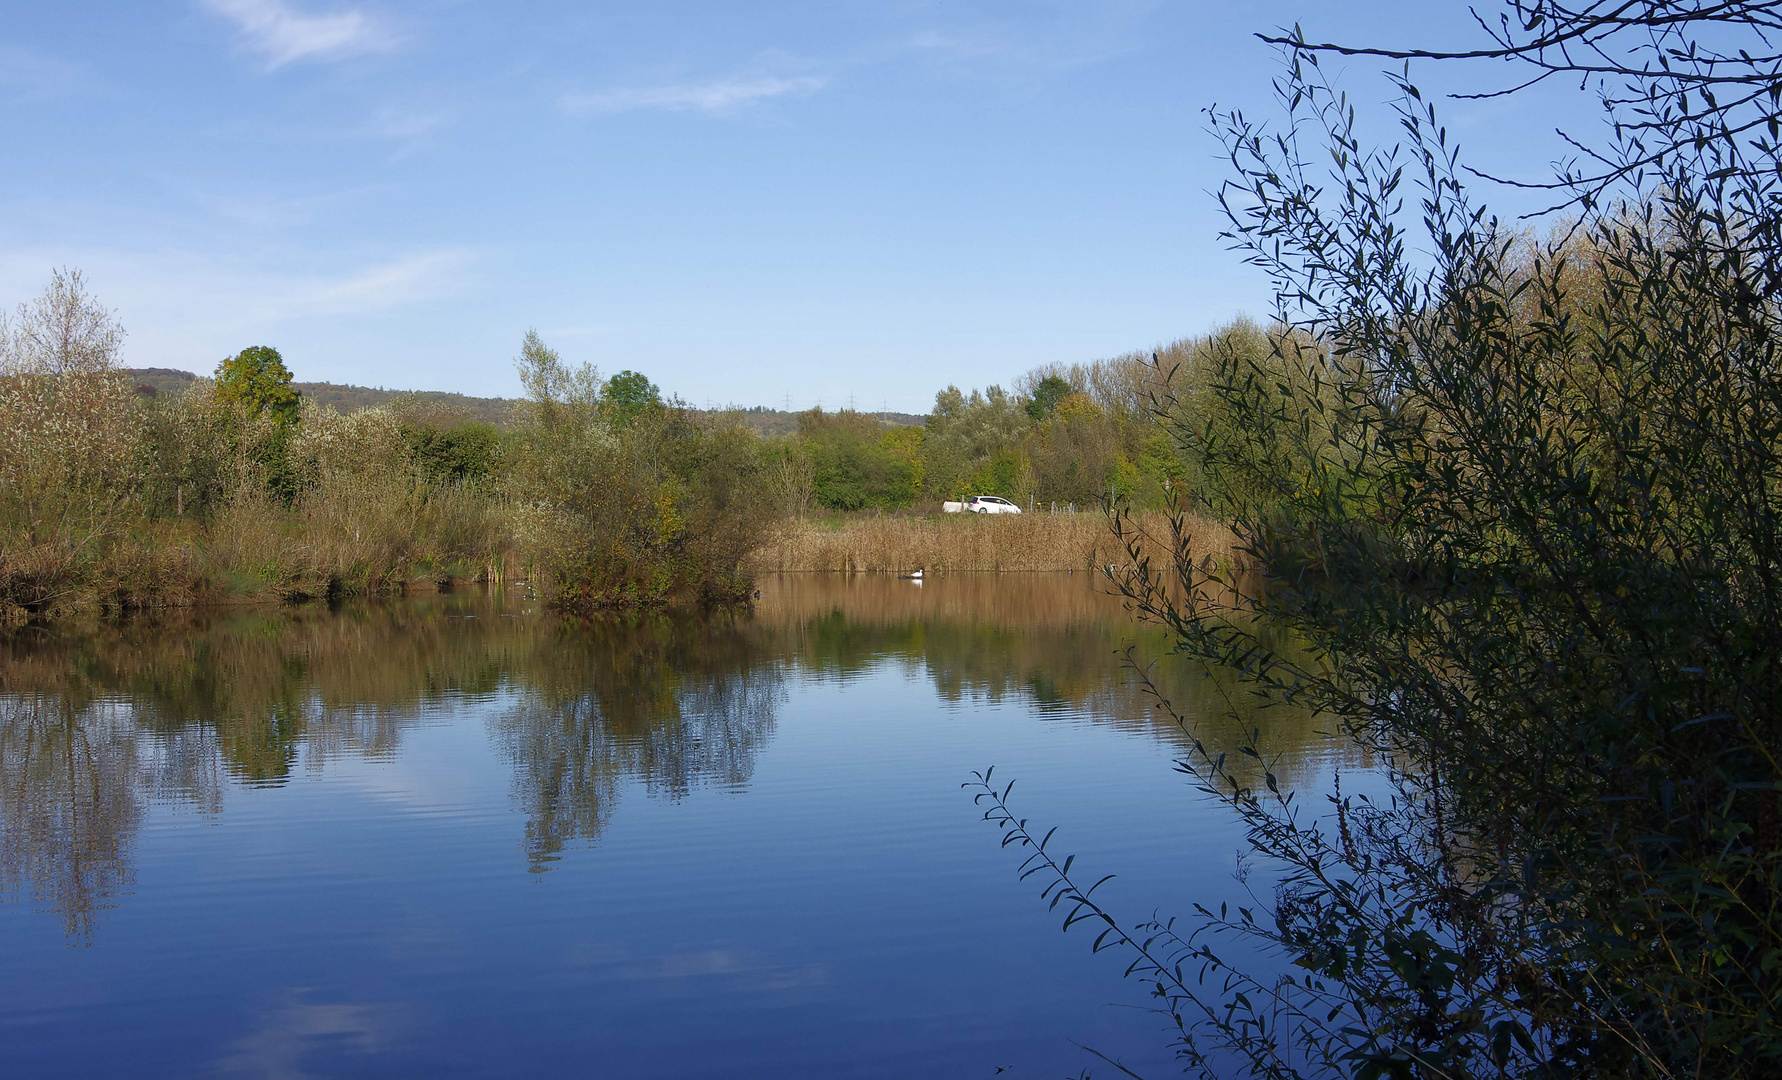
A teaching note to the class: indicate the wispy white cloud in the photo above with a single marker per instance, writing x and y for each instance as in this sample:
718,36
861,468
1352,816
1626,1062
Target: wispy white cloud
32,75
390,123
283,35
256,208
186,309
720,96
409,280
1037,40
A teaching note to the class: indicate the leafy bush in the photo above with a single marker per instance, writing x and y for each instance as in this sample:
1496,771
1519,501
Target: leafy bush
858,463
453,451
1517,516
660,508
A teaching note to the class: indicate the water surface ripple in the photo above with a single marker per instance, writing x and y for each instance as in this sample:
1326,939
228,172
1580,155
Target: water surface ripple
454,836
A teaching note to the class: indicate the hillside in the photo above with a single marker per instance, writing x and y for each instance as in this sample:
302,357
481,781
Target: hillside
765,422
769,423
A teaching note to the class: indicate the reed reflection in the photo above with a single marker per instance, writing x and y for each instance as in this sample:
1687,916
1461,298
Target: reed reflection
1059,641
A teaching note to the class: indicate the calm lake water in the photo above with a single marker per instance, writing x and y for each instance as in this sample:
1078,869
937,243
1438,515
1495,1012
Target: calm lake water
455,836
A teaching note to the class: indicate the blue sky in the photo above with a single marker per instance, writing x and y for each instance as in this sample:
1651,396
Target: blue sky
764,203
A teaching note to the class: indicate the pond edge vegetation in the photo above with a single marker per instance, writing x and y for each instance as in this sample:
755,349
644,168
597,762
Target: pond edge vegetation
597,492
1516,513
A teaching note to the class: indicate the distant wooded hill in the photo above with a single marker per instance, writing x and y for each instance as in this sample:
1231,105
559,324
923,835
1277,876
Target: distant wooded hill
763,421
344,399
772,422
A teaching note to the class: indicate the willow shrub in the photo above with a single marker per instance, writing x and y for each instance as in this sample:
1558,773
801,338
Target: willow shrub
66,451
636,508
1523,515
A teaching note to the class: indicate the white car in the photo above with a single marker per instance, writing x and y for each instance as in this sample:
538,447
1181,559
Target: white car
990,504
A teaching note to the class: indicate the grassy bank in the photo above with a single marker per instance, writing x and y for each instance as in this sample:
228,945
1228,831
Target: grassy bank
963,542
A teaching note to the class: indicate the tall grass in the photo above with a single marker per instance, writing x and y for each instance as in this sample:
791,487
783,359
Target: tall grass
108,502
964,542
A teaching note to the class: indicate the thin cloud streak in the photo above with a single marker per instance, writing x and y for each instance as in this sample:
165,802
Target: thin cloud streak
409,280
724,95
398,124
184,308
283,35
33,76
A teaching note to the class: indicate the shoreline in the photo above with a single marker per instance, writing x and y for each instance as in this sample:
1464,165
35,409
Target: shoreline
878,545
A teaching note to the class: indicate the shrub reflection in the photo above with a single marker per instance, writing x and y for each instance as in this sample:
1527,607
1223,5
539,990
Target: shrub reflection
668,702
98,722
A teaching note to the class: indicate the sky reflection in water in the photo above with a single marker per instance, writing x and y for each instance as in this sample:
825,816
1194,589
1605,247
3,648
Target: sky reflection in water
452,836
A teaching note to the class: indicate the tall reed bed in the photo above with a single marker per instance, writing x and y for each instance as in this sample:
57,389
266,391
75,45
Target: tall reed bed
110,502
967,542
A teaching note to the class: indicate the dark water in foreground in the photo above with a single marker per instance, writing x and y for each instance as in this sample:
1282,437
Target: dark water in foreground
457,837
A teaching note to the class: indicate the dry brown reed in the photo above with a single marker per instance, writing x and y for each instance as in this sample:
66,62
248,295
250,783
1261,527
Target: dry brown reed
108,504
944,543
370,537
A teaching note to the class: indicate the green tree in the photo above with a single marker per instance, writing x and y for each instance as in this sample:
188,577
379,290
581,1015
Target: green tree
974,440
857,462
1049,391
256,382
1074,452
628,395
257,379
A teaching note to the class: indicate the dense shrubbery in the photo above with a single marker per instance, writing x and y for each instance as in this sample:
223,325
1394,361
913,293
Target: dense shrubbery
857,462
1518,516
238,487
624,499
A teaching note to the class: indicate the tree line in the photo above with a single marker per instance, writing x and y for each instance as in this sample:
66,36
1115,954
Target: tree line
598,491
1066,434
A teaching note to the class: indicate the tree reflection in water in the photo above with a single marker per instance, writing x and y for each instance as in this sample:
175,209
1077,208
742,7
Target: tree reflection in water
96,723
670,702
71,801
